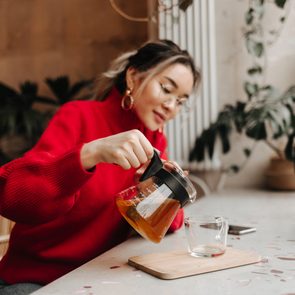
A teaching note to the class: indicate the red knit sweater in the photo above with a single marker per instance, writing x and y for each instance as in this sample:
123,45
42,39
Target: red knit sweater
65,215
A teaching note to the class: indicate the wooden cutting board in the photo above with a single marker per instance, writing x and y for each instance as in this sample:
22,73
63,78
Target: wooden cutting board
178,264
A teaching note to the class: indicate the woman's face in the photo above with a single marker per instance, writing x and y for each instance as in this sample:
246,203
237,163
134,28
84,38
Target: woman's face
163,96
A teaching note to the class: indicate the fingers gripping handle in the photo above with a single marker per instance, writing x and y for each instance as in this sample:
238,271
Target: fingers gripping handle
154,166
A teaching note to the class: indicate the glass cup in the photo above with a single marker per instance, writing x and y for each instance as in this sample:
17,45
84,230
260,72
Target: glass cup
206,236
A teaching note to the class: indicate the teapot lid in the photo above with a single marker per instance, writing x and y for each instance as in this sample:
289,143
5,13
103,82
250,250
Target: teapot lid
173,177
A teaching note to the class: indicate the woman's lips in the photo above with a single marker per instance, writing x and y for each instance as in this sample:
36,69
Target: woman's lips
159,118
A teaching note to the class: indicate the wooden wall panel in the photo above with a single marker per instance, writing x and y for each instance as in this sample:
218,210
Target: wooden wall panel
47,38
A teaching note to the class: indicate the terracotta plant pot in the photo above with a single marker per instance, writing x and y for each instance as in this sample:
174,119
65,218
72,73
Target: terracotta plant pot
280,175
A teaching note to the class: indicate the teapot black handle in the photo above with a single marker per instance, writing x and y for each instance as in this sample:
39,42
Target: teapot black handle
155,165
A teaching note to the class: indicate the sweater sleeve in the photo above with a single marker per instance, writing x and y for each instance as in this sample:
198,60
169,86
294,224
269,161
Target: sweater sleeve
177,222
42,185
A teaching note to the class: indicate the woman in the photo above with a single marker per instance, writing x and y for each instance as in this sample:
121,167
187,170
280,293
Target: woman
61,193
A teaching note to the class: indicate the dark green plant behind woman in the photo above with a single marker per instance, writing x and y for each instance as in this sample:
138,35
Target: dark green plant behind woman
24,113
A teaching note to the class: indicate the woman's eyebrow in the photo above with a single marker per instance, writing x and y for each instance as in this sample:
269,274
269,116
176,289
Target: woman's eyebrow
171,81
175,85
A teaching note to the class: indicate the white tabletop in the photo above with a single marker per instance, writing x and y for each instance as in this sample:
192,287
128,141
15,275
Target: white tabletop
272,213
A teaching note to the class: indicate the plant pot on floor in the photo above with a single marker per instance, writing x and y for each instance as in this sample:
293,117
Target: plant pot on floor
280,175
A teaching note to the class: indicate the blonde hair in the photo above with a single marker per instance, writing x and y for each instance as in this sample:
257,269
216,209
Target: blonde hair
148,60
108,79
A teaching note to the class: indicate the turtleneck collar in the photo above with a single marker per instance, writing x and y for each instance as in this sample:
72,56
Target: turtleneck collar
127,119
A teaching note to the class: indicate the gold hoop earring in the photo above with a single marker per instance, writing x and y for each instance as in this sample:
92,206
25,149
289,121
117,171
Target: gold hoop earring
127,101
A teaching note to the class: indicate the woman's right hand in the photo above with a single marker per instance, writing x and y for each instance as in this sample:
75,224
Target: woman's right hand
127,149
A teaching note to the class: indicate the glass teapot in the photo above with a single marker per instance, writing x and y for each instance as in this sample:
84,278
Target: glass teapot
152,204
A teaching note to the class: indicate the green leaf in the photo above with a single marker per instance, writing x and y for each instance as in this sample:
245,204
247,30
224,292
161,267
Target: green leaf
290,148
198,152
257,132
29,88
60,87
267,87
184,4
249,16
247,152
251,89
258,49
234,169
254,48
224,137
280,3
211,142
278,133
6,91
255,70
239,116
240,107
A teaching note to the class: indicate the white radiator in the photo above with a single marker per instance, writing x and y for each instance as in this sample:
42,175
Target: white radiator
193,30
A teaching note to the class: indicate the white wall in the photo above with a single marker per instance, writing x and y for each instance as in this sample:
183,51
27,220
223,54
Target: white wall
232,64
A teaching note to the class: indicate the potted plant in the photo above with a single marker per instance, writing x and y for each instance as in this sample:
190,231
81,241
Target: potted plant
20,123
63,90
24,113
267,115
